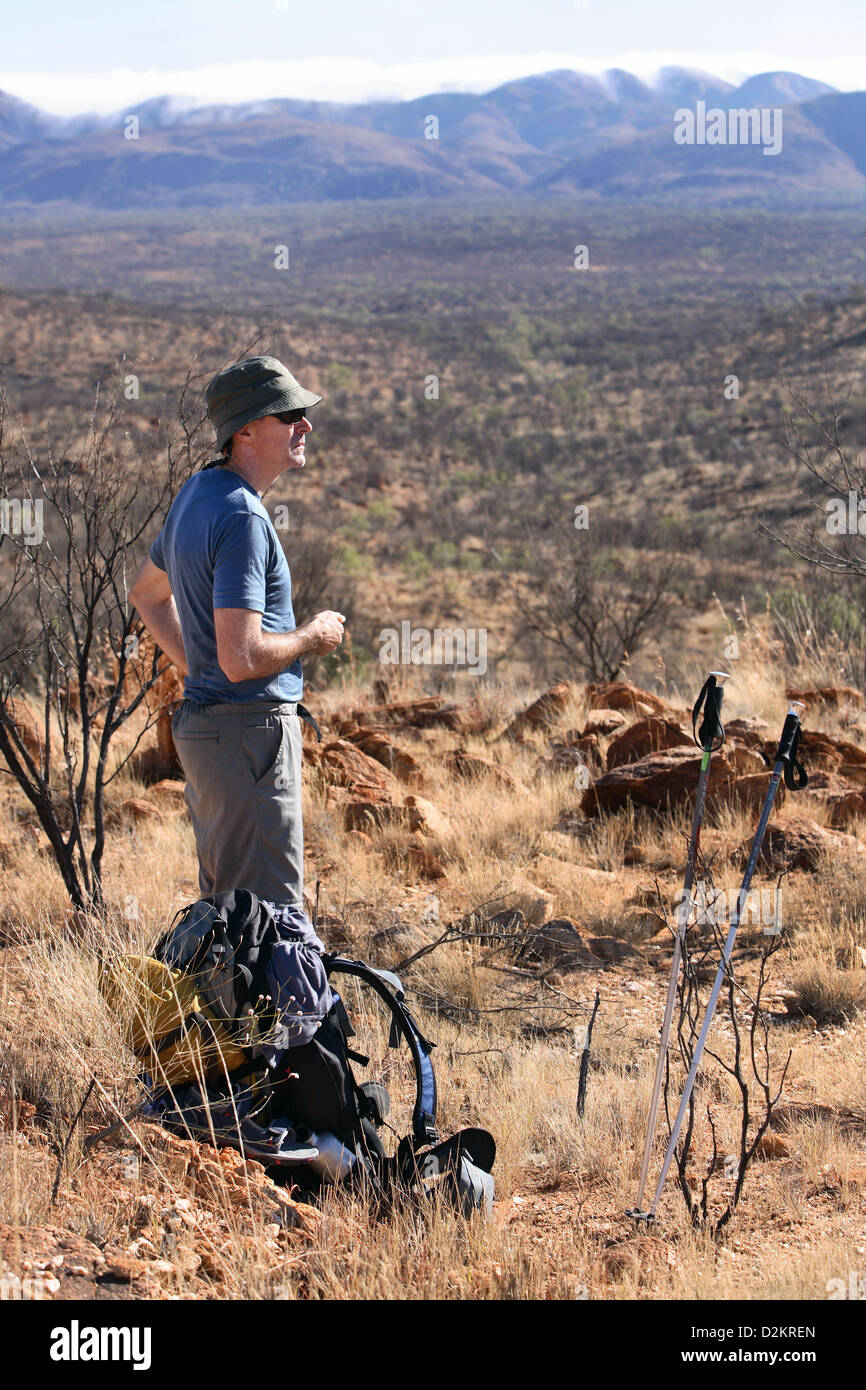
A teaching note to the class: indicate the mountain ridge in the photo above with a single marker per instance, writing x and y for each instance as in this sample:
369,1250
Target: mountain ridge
558,132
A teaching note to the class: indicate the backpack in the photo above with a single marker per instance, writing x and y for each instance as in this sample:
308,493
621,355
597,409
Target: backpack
225,990
246,1042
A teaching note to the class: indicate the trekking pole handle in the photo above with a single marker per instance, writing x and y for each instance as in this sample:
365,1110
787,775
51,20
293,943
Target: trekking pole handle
712,732
795,774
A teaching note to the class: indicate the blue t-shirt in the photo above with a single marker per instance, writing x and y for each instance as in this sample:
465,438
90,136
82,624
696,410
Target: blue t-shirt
220,550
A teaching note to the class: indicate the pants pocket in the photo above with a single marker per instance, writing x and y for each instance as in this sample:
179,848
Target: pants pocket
263,746
197,752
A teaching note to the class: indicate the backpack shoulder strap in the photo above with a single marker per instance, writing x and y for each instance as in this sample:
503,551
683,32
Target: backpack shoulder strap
390,990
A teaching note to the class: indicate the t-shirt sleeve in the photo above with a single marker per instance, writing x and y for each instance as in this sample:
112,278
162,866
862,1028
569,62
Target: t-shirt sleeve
156,552
241,563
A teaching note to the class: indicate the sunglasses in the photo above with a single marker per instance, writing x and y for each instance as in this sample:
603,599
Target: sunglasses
289,417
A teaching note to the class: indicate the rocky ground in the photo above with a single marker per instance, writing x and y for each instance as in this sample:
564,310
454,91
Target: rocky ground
512,857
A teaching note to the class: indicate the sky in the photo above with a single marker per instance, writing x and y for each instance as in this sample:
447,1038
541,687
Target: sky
70,56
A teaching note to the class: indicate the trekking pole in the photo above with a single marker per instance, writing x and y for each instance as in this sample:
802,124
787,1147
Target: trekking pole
795,780
710,740
584,1059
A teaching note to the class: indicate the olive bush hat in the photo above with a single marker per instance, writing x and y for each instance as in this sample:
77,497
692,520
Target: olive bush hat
249,390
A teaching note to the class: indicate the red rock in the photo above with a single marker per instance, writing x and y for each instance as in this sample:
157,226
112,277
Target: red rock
611,950
344,765
651,735
658,780
119,1265
424,863
138,809
624,695
560,943
544,713
846,807
752,733
376,744
833,695
798,843
820,751
575,752
39,1253
751,791
424,817
824,784
747,761
472,766
367,815
168,794
167,691
436,711
168,755
773,1146
521,897
645,924
341,796
604,721
852,753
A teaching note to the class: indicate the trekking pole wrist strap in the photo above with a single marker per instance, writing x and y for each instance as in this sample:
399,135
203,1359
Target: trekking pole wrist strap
796,776
712,732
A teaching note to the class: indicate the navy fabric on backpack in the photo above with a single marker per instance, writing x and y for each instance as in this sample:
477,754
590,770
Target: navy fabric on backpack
253,966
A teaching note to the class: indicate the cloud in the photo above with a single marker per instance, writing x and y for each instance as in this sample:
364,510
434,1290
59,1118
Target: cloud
352,79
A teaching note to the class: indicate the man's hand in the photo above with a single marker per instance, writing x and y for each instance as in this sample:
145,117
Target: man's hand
246,653
326,632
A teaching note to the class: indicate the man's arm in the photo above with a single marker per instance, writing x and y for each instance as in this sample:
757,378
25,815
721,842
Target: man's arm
246,653
151,594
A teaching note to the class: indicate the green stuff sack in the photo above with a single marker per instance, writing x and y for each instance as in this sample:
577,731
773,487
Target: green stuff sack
170,1026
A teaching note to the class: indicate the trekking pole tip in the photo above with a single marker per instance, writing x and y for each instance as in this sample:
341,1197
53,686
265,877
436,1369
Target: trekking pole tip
637,1215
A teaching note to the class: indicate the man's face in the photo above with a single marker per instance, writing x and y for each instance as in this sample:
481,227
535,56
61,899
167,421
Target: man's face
277,445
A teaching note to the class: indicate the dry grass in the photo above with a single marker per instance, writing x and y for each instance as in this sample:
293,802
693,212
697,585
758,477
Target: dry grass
827,967
508,1057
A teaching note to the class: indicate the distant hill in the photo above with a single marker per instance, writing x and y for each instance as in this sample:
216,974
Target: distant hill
810,161
560,132
842,118
777,89
685,86
19,121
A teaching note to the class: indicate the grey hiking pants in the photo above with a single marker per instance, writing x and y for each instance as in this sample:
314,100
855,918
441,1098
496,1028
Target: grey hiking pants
243,789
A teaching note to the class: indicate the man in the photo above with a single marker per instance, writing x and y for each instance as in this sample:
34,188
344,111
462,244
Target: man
216,594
